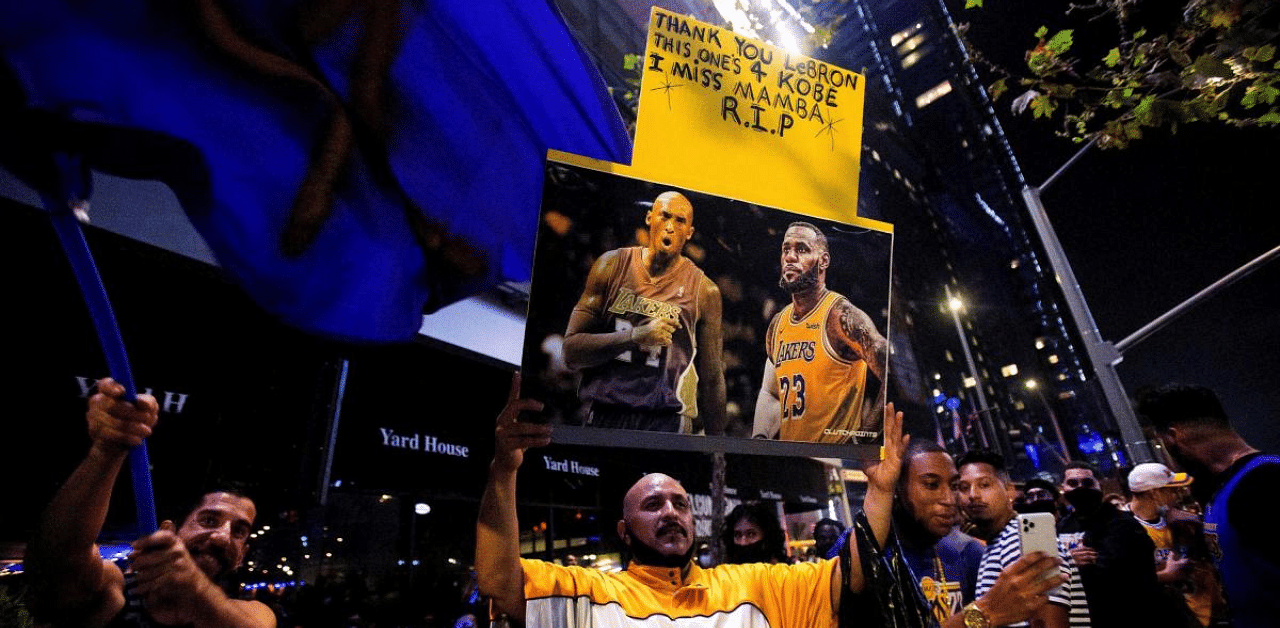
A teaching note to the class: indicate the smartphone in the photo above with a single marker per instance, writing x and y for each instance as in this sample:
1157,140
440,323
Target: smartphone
1038,532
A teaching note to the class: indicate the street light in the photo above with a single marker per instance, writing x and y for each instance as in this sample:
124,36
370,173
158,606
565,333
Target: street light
955,305
1034,386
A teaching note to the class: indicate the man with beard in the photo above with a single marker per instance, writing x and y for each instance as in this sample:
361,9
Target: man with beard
820,348
175,577
1115,556
943,559
752,534
663,581
646,333
986,495
1235,481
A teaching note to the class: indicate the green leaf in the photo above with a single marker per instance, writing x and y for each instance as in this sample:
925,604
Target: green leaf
1042,107
1040,62
1140,34
1250,98
1112,58
630,61
1260,93
1142,111
1210,66
1223,18
1042,31
1270,117
972,4
1265,53
1061,41
999,88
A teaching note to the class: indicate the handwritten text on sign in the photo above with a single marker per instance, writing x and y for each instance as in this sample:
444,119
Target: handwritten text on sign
760,91
729,115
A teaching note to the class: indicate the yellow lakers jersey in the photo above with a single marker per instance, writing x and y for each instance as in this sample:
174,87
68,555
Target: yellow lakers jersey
820,392
755,595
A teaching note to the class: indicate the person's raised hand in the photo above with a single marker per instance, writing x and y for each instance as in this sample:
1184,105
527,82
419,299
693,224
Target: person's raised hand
513,436
116,425
883,475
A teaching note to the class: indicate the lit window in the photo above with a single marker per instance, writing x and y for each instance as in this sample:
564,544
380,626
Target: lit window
911,44
927,98
1009,370
905,33
1053,359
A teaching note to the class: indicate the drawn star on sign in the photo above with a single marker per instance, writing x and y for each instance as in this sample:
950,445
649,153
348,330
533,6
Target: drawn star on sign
830,129
667,86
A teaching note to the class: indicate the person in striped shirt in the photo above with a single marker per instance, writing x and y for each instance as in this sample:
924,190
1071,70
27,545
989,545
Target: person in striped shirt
986,495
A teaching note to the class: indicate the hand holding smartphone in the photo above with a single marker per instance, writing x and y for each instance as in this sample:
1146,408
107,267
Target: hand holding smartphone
1037,532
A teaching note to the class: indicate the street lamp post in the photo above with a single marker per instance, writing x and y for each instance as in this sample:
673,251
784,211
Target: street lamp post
955,305
1034,386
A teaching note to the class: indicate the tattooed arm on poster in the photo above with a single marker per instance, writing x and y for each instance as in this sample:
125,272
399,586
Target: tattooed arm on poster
855,337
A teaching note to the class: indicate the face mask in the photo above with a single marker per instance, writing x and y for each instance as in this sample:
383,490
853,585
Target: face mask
1086,499
752,553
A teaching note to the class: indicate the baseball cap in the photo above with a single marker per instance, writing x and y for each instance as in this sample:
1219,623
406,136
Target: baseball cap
1152,475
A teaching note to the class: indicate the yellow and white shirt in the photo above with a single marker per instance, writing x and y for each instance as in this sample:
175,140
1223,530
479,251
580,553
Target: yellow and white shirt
757,595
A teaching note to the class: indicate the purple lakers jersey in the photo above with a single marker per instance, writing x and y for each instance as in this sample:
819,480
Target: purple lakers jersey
653,378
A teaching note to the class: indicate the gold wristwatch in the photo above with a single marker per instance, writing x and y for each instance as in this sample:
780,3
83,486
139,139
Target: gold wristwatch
974,617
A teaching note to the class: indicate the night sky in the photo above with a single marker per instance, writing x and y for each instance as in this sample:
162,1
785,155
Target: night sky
1148,227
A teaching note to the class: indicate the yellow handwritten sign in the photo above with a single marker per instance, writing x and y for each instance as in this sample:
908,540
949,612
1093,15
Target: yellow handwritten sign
741,118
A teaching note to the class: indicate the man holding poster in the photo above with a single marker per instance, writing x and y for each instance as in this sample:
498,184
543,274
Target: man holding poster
646,333
820,348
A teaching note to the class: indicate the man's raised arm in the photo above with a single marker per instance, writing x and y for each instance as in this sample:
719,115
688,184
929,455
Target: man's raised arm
882,477
71,583
498,570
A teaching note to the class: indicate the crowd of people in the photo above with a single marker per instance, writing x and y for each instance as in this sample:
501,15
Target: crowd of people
936,542
1159,549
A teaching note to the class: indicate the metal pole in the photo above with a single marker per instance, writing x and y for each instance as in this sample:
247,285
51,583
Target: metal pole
1181,308
1053,420
973,369
335,417
1101,353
